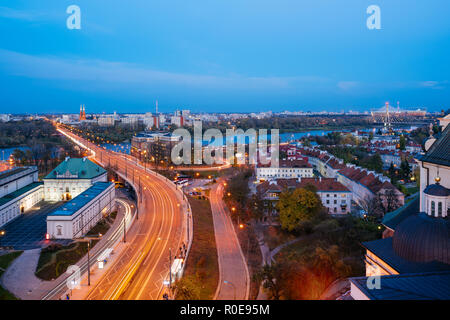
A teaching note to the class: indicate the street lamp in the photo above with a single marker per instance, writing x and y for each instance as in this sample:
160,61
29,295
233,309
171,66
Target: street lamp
88,240
2,233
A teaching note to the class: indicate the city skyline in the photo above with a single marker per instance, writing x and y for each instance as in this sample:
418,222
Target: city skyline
223,57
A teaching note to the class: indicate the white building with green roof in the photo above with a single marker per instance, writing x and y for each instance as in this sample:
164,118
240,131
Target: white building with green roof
72,177
19,191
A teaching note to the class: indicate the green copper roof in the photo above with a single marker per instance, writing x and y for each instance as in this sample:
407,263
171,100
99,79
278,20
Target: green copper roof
76,168
392,219
18,193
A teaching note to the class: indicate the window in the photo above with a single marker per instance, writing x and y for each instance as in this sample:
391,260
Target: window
432,208
59,230
439,209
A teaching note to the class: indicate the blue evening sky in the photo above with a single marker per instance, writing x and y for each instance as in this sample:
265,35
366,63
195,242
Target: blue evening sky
223,55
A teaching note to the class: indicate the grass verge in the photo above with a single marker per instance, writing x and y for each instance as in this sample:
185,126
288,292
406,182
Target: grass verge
5,262
55,258
250,247
202,263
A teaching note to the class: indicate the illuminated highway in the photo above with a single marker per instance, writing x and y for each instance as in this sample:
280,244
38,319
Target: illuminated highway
141,269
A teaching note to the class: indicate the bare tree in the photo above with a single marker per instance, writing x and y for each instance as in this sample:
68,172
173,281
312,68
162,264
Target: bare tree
391,201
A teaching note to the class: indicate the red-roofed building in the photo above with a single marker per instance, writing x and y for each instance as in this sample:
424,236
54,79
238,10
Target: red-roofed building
334,195
286,169
366,184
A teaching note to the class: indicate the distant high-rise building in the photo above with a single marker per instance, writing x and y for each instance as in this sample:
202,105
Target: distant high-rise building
177,120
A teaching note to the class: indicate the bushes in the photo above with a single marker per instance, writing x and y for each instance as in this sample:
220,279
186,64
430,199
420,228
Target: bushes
330,251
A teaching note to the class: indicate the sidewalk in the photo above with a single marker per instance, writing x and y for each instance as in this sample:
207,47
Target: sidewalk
20,279
268,255
234,278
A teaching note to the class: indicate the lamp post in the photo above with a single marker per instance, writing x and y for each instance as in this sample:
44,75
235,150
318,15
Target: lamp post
2,233
88,240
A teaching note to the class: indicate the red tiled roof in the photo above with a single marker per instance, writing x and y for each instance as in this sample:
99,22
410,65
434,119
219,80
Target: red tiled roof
324,185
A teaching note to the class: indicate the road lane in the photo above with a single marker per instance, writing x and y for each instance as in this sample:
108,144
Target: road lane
234,279
141,269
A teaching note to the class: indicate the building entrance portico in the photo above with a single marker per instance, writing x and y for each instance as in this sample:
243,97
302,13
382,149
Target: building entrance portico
66,196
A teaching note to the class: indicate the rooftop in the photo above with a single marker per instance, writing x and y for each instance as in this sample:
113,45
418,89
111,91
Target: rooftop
19,192
322,185
8,173
71,207
439,152
383,249
415,286
437,190
392,219
76,168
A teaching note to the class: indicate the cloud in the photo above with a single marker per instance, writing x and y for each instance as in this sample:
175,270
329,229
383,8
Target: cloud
28,15
433,84
347,85
101,71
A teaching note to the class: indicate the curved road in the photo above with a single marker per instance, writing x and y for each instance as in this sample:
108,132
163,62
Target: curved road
139,272
234,279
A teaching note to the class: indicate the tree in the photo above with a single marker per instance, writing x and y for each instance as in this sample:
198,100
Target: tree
256,207
373,206
402,142
392,173
373,162
273,278
238,187
19,155
405,169
391,201
297,207
187,288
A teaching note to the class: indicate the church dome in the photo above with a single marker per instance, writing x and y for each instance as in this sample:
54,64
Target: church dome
421,238
437,190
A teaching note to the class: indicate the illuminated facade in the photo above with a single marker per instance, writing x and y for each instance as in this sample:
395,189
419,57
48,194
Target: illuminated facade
72,177
19,191
77,216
